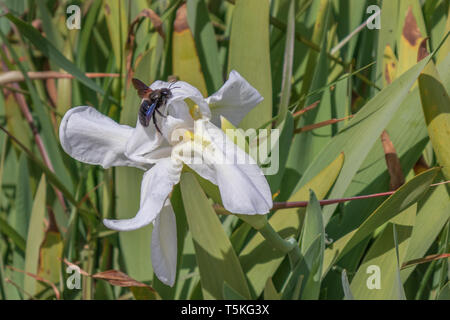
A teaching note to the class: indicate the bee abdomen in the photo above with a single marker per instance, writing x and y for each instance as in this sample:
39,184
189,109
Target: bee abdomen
143,118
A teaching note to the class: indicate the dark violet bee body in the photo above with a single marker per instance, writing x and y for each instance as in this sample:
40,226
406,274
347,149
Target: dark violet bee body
144,111
152,101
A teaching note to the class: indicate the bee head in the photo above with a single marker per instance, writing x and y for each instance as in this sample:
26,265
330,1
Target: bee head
165,92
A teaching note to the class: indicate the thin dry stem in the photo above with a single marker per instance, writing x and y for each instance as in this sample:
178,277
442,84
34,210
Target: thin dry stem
17,76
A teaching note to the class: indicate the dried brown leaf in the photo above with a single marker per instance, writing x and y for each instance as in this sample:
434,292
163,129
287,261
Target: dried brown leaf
392,162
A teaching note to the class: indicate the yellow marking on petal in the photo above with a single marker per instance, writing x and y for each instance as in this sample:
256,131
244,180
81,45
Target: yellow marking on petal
194,110
201,140
188,135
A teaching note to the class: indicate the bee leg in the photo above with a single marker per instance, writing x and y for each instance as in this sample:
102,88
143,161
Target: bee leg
156,125
159,112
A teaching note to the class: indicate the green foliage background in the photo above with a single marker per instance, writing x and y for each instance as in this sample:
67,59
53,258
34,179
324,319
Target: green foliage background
50,218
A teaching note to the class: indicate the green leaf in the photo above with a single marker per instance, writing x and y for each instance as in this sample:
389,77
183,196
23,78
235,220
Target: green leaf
300,280
350,14
313,229
49,50
288,63
405,196
144,293
230,294
188,279
313,224
432,214
280,151
47,130
216,258
444,294
205,42
398,279
410,33
64,86
51,32
346,286
3,292
259,259
49,174
35,237
318,37
306,145
117,23
185,59
443,53
86,32
21,218
249,54
11,233
408,132
15,122
239,236
24,200
270,292
383,255
386,35
357,138
50,255
436,108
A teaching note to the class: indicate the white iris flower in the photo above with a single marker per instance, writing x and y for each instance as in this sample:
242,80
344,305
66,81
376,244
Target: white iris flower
189,136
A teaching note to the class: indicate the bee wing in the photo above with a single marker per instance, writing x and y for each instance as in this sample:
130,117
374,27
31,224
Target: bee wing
150,110
142,89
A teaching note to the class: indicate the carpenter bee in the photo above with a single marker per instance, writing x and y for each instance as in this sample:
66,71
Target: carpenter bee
152,101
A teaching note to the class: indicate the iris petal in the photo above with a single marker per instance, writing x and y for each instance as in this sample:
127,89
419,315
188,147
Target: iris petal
142,142
164,245
243,187
233,100
155,188
91,137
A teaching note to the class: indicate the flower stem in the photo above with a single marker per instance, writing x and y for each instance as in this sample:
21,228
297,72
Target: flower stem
287,246
275,239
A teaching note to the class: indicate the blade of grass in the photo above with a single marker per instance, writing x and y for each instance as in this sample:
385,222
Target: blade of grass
287,66
249,54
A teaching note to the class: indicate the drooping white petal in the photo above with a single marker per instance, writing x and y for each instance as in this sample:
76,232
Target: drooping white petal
91,137
164,245
233,100
243,187
155,188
